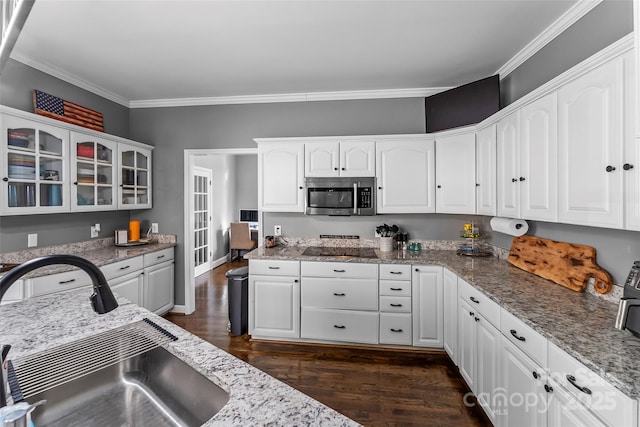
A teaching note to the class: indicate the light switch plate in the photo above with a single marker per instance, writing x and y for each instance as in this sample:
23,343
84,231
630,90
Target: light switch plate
32,240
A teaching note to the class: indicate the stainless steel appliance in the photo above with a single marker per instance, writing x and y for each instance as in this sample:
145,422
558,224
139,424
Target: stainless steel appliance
629,308
340,196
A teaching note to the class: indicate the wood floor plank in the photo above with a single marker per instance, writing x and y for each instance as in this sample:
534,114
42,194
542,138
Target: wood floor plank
375,387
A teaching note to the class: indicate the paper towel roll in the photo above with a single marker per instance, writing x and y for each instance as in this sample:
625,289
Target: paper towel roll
511,226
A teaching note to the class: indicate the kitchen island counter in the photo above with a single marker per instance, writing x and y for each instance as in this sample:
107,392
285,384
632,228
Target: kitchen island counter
256,398
582,324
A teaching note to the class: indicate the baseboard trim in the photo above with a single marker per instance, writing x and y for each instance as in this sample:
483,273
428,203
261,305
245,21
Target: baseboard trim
219,261
178,309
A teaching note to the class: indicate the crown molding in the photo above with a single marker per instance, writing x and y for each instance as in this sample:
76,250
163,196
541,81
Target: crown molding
72,79
581,8
288,97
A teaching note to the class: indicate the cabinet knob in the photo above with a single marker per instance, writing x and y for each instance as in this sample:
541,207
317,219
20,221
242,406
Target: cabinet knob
514,180
548,388
335,169
535,375
477,185
471,313
439,186
610,168
343,169
379,188
75,183
522,178
5,179
477,319
301,187
627,166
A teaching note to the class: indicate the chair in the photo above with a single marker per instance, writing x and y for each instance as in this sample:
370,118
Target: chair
240,239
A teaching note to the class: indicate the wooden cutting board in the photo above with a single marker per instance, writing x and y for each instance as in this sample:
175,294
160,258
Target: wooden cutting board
566,264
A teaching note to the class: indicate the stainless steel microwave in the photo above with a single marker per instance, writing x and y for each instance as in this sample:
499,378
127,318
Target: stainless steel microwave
340,196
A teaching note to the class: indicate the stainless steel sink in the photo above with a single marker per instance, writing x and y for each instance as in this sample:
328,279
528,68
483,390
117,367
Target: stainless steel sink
152,389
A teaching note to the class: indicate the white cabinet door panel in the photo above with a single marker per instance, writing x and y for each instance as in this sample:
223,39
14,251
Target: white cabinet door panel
427,296
281,172
357,158
274,306
508,166
450,293
322,159
486,171
538,179
456,174
590,148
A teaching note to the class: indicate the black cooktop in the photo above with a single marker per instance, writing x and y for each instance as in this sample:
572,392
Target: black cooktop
340,252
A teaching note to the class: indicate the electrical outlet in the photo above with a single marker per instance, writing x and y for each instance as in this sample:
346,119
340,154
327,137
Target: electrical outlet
32,240
277,230
94,231
154,227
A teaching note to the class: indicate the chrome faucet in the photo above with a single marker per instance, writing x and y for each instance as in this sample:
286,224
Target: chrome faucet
102,299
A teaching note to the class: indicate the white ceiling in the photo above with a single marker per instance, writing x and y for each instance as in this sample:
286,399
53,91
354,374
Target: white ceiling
167,49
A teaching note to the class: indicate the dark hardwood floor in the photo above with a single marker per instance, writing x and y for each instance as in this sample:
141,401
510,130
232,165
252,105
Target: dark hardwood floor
374,387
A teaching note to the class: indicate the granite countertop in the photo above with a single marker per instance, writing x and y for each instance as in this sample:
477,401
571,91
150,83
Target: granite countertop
256,398
100,254
581,324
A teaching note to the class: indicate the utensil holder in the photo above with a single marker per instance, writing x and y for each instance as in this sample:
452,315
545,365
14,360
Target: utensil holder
386,244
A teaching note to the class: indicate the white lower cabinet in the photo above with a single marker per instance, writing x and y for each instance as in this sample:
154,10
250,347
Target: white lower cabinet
274,300
565,411
158,287
450,293
395,304
129,286
340,325
428,316
523,382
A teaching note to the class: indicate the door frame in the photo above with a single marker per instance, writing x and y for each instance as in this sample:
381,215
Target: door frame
189,160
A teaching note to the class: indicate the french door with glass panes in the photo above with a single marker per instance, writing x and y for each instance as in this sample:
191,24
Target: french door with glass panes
201,200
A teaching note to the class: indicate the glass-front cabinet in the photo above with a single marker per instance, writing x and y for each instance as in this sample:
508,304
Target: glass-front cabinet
93,172
34,167
135,177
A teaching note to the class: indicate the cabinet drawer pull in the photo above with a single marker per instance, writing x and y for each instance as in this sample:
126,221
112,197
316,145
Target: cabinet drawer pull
395,305
471,313
395,330
515,335
64,282
339,326
274,268
395,272
125,267
474,300
339,294
338,271
548,388
395,289
535,375
572,380
160,256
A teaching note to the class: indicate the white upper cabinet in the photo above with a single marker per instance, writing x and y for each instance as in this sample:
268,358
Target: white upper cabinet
527,161
34,167
93,173
590,147
538,177
344,158
456,173
508,136
405,176
631,165
281,177
134,190
486,171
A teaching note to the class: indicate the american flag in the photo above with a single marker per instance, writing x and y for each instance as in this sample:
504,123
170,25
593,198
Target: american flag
59,109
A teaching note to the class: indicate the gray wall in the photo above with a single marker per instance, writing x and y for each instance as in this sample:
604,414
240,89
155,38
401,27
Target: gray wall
18,80
246,183
234,126
605,24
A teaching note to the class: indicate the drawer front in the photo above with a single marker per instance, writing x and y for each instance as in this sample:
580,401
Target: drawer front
158,257
395,272
343,294
489,309
395,288
395,328
523,336
339,269
340,325
268,267
606,401
14,293
59,282
395,304
120,268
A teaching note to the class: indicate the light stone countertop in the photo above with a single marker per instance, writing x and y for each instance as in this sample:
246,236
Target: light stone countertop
581,324
256,398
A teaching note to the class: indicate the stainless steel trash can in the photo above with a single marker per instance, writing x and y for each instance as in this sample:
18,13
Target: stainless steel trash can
238,297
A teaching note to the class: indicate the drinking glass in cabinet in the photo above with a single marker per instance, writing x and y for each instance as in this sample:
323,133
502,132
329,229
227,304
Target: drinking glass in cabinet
50,194
21,194
85,195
